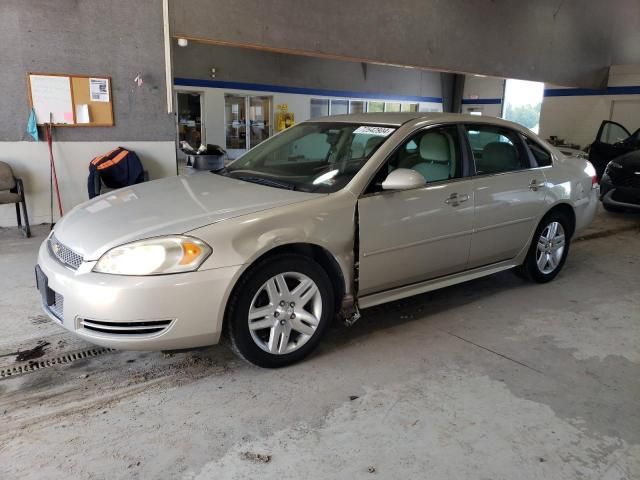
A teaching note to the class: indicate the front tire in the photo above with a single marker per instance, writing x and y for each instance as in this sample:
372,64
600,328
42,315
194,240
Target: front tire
280,310
549,248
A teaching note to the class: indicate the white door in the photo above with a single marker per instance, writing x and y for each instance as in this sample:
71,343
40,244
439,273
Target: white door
412,235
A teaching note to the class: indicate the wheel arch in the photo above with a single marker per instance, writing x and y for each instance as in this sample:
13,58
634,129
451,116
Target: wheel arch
317,253
567,210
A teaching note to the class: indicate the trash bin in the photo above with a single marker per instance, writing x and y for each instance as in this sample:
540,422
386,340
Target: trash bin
206,162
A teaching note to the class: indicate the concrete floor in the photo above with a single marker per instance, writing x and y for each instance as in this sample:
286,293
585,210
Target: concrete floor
493,379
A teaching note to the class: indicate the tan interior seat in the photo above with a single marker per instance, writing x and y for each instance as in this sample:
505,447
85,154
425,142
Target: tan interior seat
435,151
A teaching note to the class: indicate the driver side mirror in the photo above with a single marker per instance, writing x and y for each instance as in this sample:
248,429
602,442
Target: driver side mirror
403,179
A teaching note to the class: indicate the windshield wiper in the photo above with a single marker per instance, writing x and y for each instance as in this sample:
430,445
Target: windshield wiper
267,182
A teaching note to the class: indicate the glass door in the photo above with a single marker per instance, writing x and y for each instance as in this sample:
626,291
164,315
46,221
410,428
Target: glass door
259,120
190,118
247,122
235,124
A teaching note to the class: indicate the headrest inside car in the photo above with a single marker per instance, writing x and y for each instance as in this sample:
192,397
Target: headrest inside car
434,147
498,157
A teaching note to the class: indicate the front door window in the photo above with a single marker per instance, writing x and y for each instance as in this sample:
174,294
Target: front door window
612,133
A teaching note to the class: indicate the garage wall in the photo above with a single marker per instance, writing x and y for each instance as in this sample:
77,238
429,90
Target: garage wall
575,114
298,104
483,94
566,42
294,80
117,38
250,66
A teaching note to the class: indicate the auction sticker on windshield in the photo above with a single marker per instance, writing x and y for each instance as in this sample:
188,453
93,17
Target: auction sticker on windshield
380,131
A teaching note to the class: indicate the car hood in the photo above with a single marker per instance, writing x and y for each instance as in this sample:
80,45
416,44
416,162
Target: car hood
629,161
172,205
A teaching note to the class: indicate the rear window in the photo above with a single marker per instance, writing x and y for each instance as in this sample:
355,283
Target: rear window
540,154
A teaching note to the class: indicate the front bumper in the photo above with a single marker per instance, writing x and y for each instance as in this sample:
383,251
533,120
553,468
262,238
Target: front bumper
161,312
619,197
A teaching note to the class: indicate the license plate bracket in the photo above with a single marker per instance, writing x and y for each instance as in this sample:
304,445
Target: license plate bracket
42,283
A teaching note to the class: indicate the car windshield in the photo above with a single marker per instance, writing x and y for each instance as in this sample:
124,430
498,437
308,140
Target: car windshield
311,157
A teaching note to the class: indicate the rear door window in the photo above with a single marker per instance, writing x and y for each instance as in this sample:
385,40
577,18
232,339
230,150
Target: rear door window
496,149
541,156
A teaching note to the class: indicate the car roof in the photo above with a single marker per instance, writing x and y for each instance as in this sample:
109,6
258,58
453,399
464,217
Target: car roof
397,119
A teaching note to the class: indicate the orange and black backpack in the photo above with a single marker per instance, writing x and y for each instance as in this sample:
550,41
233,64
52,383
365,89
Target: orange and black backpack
118,168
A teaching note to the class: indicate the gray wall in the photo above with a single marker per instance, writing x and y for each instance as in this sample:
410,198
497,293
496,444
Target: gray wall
625,35
252,66
118,38
569,42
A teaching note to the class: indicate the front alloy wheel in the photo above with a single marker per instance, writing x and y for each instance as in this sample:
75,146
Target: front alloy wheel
279,310
285,313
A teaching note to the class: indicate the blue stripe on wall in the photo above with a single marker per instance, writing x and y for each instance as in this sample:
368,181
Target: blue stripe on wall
481,101
260,87
577,92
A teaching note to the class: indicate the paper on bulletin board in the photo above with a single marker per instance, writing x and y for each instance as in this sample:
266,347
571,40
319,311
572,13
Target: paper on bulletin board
99,89
51,98
82,113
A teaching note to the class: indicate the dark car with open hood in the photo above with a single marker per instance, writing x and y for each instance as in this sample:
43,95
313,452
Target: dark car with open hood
612,141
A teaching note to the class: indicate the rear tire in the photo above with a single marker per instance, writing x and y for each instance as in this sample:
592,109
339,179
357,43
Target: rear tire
280,310
549,248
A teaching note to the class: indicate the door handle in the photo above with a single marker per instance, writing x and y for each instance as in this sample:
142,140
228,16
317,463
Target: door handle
454,199
534,185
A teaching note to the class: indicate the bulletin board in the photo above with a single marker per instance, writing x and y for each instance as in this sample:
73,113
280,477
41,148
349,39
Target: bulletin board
71,100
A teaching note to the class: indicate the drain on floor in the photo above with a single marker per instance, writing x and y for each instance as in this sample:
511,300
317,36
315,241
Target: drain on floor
33,365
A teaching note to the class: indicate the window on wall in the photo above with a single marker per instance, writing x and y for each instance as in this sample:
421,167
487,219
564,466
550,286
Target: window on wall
357,106
376,107
339,107
319,107
425,107
522,103
409,107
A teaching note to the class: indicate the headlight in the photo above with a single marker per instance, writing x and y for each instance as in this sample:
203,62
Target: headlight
614,165
154,256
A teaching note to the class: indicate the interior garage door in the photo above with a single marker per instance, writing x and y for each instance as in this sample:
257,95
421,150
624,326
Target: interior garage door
627,113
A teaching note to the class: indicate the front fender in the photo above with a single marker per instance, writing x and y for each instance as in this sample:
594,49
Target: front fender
326,222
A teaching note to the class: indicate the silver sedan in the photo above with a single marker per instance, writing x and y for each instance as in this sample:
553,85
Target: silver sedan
326,218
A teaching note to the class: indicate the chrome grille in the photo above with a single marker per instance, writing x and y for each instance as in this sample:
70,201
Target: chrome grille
64,254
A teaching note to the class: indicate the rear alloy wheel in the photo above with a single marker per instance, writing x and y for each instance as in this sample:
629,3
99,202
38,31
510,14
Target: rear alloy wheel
549,248
280,311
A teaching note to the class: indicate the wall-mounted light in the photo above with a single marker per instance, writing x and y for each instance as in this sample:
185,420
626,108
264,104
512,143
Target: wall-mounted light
183,42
